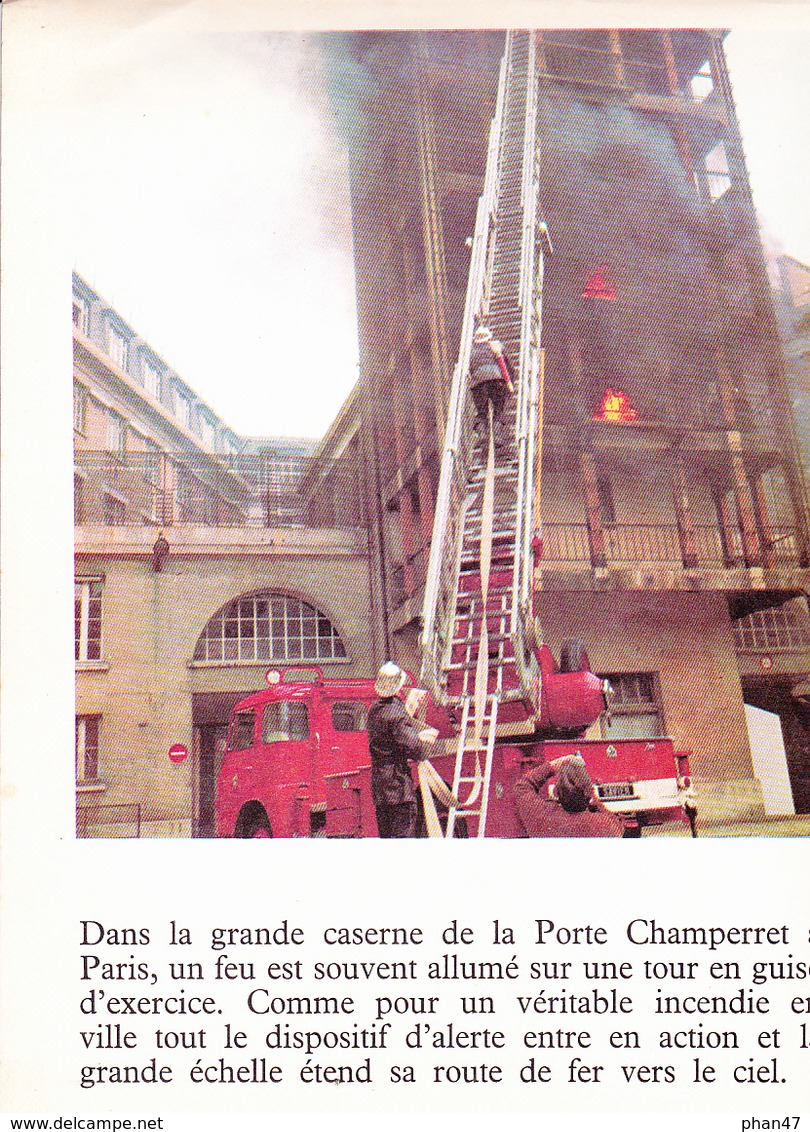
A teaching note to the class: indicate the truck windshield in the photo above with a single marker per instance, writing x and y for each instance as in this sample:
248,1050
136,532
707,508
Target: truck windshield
285,720
349,715
241,736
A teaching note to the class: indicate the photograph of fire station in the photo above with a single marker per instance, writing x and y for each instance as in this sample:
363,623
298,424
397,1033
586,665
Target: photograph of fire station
630,505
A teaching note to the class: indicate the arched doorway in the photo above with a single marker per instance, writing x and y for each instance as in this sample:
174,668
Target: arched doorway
245,637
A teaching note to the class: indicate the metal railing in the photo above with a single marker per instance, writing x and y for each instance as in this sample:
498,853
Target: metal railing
642,542
664,543
600,66
247,490
565,542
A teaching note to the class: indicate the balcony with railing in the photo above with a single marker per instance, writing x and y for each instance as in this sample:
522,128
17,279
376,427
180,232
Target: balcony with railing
137,488
567,545
629,60
115,491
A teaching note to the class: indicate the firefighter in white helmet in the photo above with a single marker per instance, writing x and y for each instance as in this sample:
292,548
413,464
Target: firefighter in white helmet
394,740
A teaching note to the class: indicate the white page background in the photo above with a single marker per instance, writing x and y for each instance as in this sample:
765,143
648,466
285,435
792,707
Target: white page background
50,880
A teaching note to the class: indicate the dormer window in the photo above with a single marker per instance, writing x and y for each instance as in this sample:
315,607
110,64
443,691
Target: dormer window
81,315
118,347
206,431
152,380
181,407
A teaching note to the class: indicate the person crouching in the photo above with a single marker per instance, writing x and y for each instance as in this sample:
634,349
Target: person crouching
577,810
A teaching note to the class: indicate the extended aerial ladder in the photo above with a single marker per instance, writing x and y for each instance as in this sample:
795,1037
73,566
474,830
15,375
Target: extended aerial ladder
477,635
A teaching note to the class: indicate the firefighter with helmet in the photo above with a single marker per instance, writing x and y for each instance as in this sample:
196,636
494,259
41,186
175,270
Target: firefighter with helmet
491,376
394,739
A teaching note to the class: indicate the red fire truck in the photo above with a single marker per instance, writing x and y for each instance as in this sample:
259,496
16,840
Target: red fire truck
297,761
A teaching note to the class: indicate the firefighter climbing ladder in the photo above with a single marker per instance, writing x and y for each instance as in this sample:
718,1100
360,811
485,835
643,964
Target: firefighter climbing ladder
477,658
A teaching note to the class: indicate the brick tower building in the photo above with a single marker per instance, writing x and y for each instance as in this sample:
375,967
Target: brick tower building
673,505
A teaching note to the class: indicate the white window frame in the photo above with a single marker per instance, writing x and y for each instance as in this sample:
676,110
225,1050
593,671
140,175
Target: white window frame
83,596
181,406
81,315
152,380
116,434
702,83
117,346
289,631
82,778
782,628
207,430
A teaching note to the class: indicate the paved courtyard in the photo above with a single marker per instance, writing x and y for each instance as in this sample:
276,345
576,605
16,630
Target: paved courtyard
797,826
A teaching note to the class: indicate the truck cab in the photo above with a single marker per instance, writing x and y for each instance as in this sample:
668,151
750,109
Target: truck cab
283,745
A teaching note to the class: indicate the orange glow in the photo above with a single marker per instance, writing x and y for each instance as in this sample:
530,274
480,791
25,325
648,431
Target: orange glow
599,286
616,406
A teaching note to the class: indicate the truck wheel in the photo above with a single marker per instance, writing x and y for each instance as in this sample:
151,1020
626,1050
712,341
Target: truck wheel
260,828
253,822
573,657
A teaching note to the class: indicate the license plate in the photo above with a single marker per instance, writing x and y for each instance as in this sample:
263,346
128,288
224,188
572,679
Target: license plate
616,790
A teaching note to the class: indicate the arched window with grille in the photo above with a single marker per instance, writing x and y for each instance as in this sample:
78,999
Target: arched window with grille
268,627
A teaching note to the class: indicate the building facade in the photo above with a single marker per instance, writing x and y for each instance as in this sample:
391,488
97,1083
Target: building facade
792,299
198,567
674,506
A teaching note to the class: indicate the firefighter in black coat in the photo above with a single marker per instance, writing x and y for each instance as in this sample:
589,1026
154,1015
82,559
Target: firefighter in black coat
394,740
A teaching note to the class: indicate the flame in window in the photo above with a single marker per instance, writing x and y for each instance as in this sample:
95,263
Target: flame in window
599,286
616,406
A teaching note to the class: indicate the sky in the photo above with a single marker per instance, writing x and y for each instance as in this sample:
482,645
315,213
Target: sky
770,75
210,201
212,212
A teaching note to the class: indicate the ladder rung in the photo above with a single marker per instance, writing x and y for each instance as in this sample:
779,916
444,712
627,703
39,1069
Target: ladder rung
493,594
502,472
472,559
472,595
501,533
493,638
